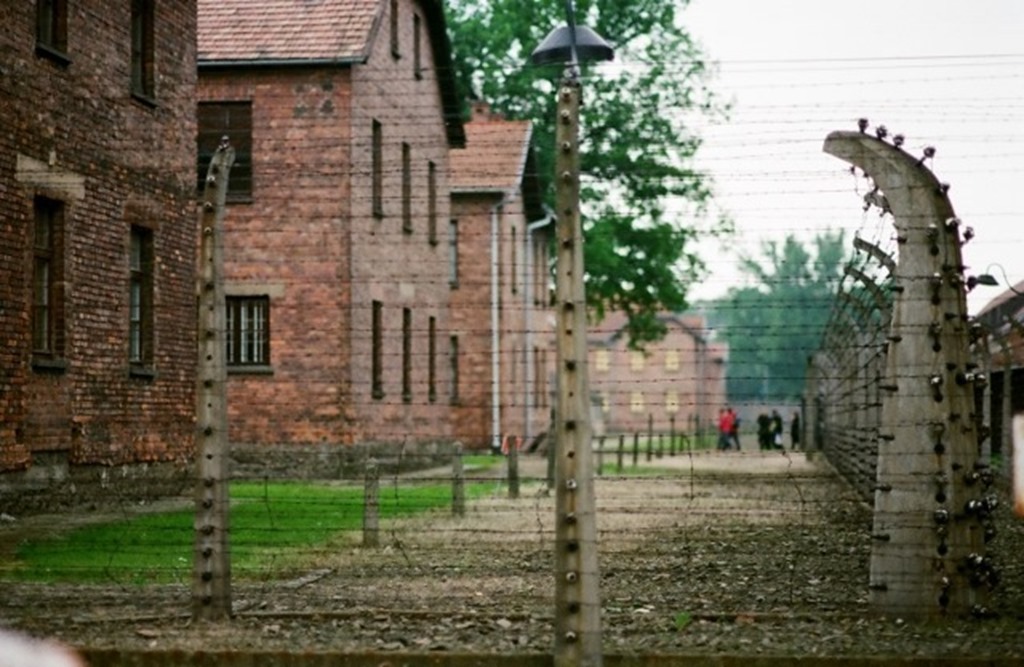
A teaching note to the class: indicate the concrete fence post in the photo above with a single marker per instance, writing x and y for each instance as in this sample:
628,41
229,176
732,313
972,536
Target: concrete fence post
458,482
932,515
577,615
513,469
371,505
211,576
650,437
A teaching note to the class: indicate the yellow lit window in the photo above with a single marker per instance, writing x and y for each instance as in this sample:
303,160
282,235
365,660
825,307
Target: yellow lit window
672,360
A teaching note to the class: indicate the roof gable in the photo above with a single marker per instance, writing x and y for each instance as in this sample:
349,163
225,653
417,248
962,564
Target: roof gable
498,158
285,30
278,33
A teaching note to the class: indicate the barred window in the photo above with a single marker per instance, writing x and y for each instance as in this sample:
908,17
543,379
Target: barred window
140,297
248,331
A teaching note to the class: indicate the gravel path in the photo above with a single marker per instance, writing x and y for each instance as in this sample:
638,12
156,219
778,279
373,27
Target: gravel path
743,553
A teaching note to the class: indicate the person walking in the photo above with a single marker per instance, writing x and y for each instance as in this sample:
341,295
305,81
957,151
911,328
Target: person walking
777,429
764,431
724,429
734,433
794,431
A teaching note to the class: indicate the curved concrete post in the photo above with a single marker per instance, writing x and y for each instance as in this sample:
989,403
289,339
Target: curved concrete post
927,557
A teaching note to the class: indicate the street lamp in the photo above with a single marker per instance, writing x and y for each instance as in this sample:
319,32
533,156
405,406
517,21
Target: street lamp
990,280
577,580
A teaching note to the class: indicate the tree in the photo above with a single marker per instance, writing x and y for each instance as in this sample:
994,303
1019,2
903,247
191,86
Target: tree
644,203
773,325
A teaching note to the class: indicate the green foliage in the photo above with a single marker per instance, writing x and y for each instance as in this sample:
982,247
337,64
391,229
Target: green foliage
774,325
682,620
274,529
644,202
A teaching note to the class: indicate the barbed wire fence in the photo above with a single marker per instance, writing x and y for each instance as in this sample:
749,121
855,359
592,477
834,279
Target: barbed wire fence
700,550
898,385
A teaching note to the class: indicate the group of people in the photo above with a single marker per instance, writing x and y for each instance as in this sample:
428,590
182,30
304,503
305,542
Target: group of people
770,429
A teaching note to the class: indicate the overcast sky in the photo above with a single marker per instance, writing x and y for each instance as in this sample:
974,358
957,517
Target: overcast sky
945,73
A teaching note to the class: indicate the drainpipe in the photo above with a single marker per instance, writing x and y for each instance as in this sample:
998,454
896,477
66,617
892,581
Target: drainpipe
530,370
495,333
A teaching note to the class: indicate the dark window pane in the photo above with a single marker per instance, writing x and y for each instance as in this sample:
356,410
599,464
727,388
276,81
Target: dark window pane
233,120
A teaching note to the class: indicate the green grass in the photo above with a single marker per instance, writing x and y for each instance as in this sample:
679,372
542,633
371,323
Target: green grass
276,528
482,461
611,470
683,444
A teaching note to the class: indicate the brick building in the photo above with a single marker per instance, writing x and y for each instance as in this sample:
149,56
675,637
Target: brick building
1003,319
679,380
501,313
97,360
342,114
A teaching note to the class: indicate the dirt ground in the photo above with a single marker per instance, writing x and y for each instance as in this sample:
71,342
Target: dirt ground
748,553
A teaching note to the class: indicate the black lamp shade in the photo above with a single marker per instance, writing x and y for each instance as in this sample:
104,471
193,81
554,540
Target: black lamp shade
557,47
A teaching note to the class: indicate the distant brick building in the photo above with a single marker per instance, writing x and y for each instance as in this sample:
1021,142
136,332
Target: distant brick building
97,292
501,313
342,114
679,380
1003,319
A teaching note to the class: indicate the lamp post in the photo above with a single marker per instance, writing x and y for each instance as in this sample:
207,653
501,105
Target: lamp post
577,639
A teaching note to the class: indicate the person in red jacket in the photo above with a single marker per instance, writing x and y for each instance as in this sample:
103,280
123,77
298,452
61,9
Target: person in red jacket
725,423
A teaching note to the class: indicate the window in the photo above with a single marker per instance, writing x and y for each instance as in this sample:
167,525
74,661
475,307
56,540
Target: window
52,28
545,379
512,374
540,271
672,360
672,402
432,359
636,360
377,170
538,378
453,253
432,203
513,261
377,351
606,404
406,188
417,61
48,278
248,331
406,354
636,401
602,362
140,297
394,30
142,48
453,360
234,121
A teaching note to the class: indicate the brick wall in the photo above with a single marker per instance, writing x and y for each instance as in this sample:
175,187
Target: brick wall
73,132
309,240
636,386
290,244
389,265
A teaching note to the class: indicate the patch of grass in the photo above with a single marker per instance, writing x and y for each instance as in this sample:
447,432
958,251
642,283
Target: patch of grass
482,461
683,444
273,527
611,470
681,620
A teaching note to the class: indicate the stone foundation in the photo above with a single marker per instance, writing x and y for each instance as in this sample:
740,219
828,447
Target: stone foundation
52,484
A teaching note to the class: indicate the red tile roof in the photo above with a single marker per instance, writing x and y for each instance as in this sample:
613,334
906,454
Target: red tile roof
272,30
494,159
